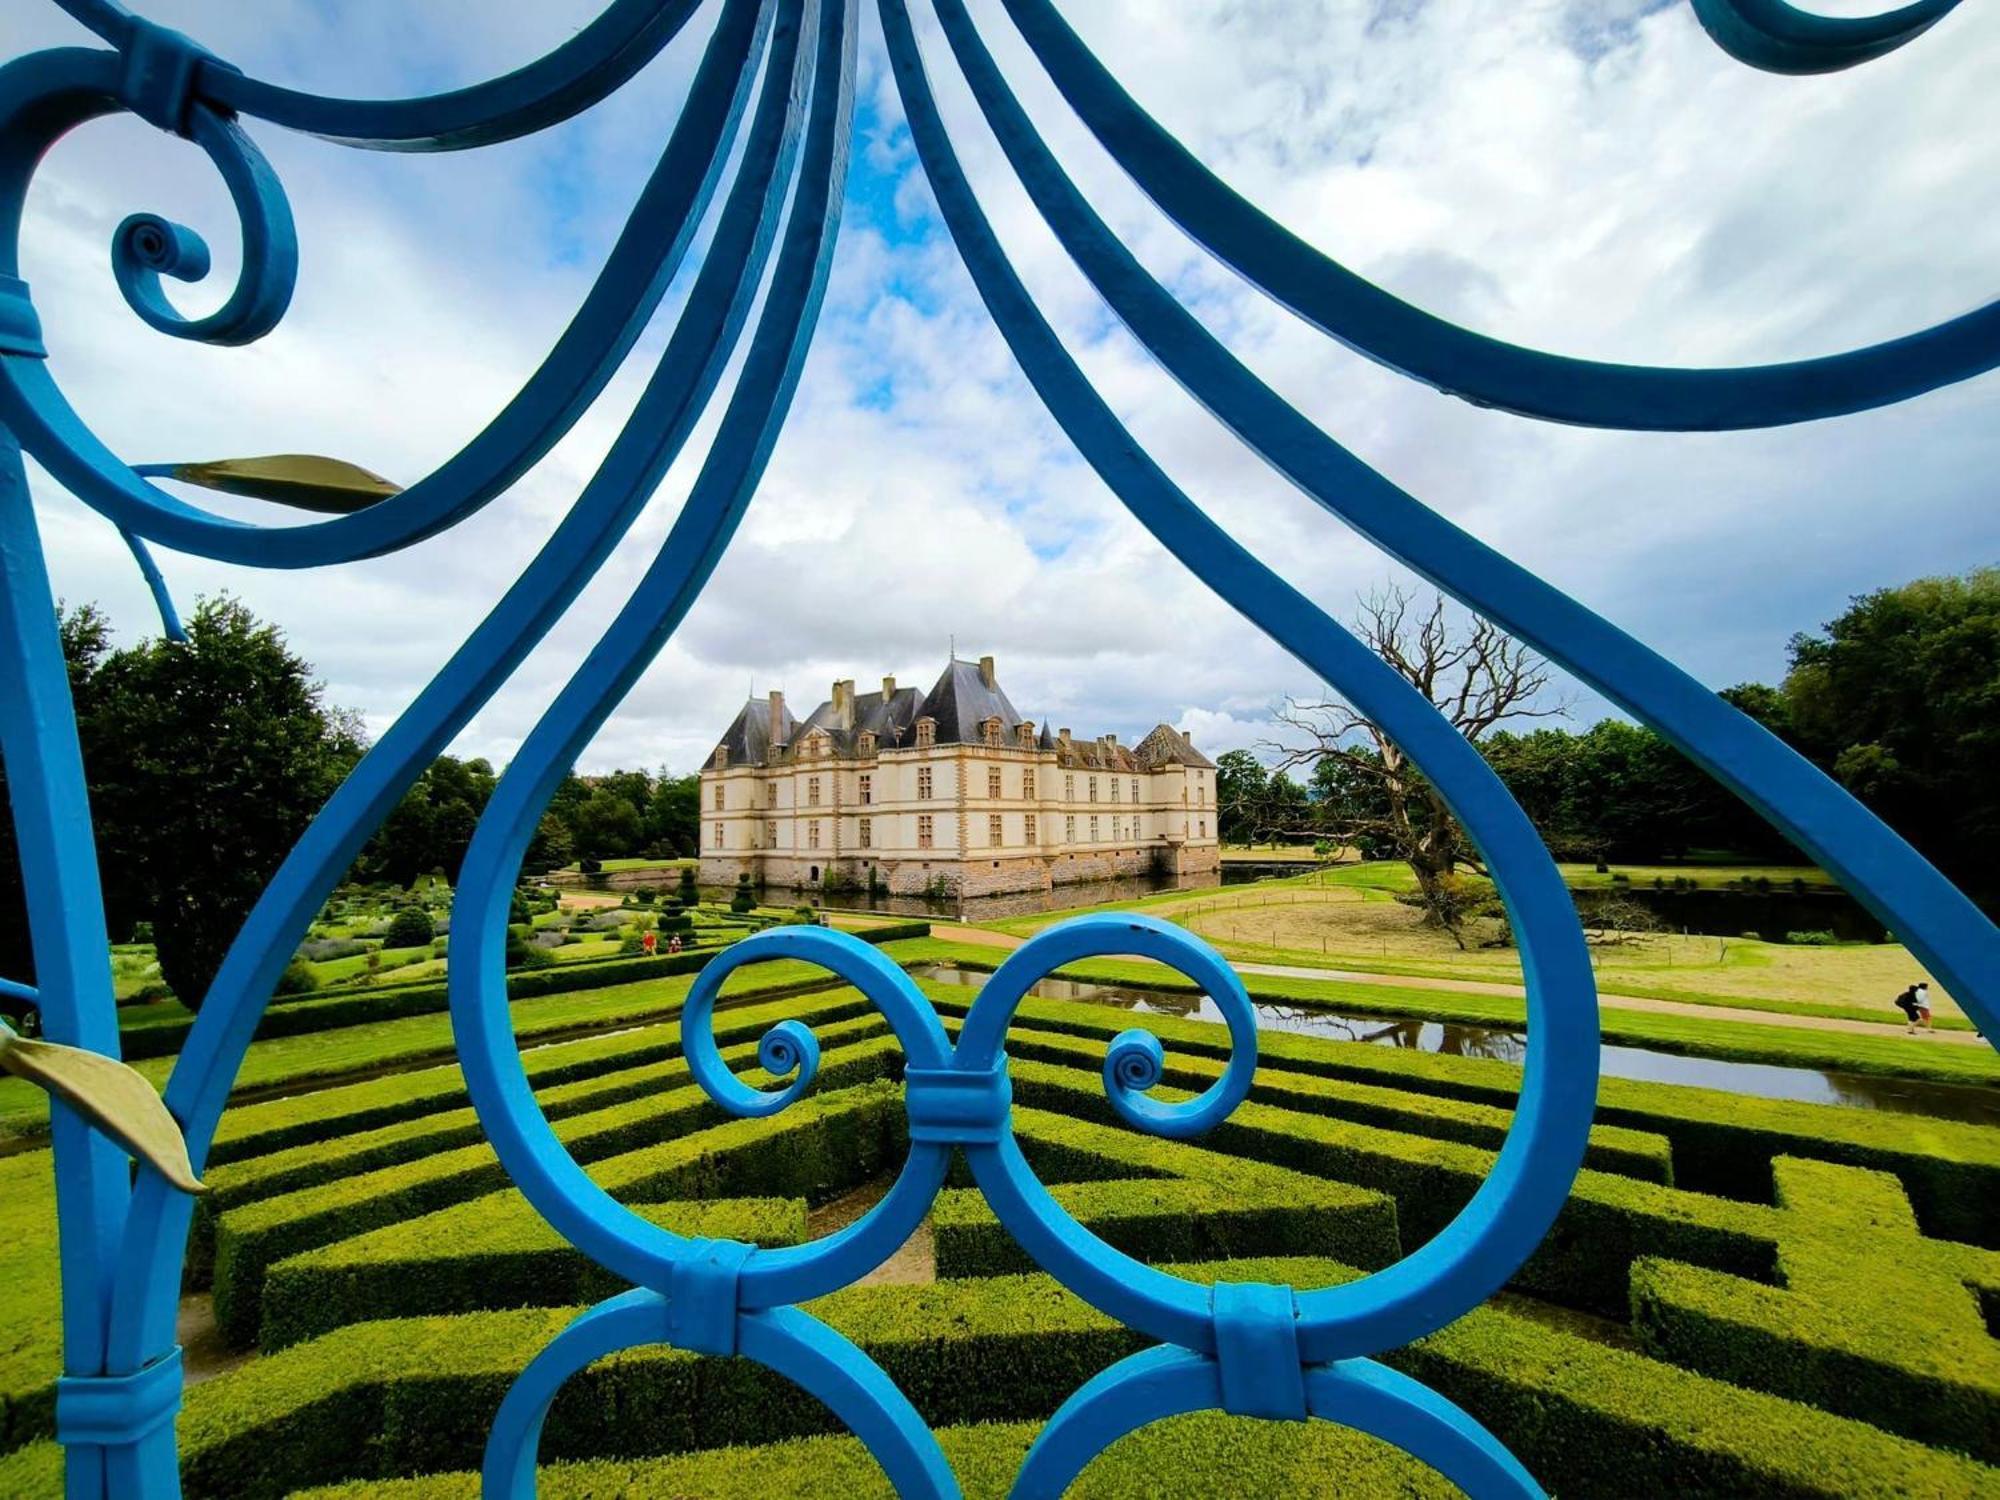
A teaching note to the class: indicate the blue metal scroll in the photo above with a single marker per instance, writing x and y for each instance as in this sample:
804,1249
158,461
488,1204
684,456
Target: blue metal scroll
788,66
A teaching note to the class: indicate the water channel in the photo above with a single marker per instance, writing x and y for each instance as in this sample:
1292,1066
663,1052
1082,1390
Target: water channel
1966,1102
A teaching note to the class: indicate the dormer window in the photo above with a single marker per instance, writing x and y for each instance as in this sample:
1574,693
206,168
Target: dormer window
992,728
926,733
721,760
865,745
1026,735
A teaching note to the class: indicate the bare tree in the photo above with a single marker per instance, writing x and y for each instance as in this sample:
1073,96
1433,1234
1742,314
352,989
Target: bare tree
1368,792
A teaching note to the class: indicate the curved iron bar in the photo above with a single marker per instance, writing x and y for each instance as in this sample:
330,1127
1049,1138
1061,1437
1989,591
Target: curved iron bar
587,68
1483,370
1940,924
686,376
44,95
1780,38
1259,1350
163,599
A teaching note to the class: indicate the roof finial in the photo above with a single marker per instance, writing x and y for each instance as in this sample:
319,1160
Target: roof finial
953,647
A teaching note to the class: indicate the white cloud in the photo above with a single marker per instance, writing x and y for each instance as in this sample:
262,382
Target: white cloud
1590,177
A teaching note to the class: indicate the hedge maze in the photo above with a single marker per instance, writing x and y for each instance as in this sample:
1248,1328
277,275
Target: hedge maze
1741,1297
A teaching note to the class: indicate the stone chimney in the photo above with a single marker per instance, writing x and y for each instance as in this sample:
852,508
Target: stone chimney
1063,735
888,688
986,672
777,719
1111,739
843,703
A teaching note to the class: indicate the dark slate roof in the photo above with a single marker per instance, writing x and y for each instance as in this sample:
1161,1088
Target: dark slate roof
1167,746
889,719
961,702
748,738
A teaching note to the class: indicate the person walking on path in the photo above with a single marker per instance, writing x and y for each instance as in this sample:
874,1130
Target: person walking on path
1915,1002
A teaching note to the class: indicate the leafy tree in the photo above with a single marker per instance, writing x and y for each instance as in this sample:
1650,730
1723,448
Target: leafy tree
1240,785
1899,699
673,816
607,826
432,826
1476,676
206,761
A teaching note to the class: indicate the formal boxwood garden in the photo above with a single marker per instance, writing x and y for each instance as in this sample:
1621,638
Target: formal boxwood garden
1741,1297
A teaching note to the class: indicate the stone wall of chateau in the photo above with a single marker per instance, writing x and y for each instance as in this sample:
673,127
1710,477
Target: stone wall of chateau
972,876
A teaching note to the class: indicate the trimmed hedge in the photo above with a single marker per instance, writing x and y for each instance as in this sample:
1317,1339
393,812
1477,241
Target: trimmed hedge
31,1283
308,1165
1163,1200
1872,1320
296,1120
891,932
142,1036
248,1239
411,1396
1585,1261
1208,1456
1629,1153
1722,1143
321,1057
497,1251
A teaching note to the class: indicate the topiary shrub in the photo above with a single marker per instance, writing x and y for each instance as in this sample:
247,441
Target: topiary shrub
690,891
410,928
743,900
298,979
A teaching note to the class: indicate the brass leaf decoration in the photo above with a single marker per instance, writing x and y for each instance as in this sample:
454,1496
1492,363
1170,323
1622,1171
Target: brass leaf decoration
115,1099
306,481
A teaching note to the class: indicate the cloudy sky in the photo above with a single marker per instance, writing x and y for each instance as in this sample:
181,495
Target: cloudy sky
1591,176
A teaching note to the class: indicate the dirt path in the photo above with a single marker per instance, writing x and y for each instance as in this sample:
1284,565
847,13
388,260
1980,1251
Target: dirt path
985,938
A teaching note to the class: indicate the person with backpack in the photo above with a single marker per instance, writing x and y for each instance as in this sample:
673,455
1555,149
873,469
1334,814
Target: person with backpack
1915,1002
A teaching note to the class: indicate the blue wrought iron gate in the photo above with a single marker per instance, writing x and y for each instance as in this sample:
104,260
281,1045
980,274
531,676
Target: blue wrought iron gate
777,78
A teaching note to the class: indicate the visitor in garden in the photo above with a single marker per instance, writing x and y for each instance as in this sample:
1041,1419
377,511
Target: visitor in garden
1915,1002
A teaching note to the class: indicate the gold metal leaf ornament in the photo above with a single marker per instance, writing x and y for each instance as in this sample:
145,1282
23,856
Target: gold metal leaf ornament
115,1099
306,481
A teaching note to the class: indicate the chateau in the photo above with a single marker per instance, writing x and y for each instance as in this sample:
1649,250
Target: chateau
949,790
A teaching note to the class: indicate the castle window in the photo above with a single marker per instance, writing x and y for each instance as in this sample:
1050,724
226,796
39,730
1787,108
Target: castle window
994,836
926,733
1028,783
812,834
1093,828
720,841
1135,789
812,791
923,783
866,744
1028,829
718,796
1093,789
1201,829
1069,789
923,830
771,794
993,781
1069,828
866,833
867,788
992,731
771,834
1114,789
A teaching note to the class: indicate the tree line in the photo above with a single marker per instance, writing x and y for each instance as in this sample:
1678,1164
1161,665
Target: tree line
1897,699
206,759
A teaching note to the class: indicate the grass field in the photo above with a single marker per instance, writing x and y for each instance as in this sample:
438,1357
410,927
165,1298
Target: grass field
1348,917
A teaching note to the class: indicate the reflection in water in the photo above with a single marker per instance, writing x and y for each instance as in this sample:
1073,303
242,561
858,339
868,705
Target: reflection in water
1968,1102
986,908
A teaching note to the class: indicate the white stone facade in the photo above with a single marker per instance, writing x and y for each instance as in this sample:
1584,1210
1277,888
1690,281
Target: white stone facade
932,800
